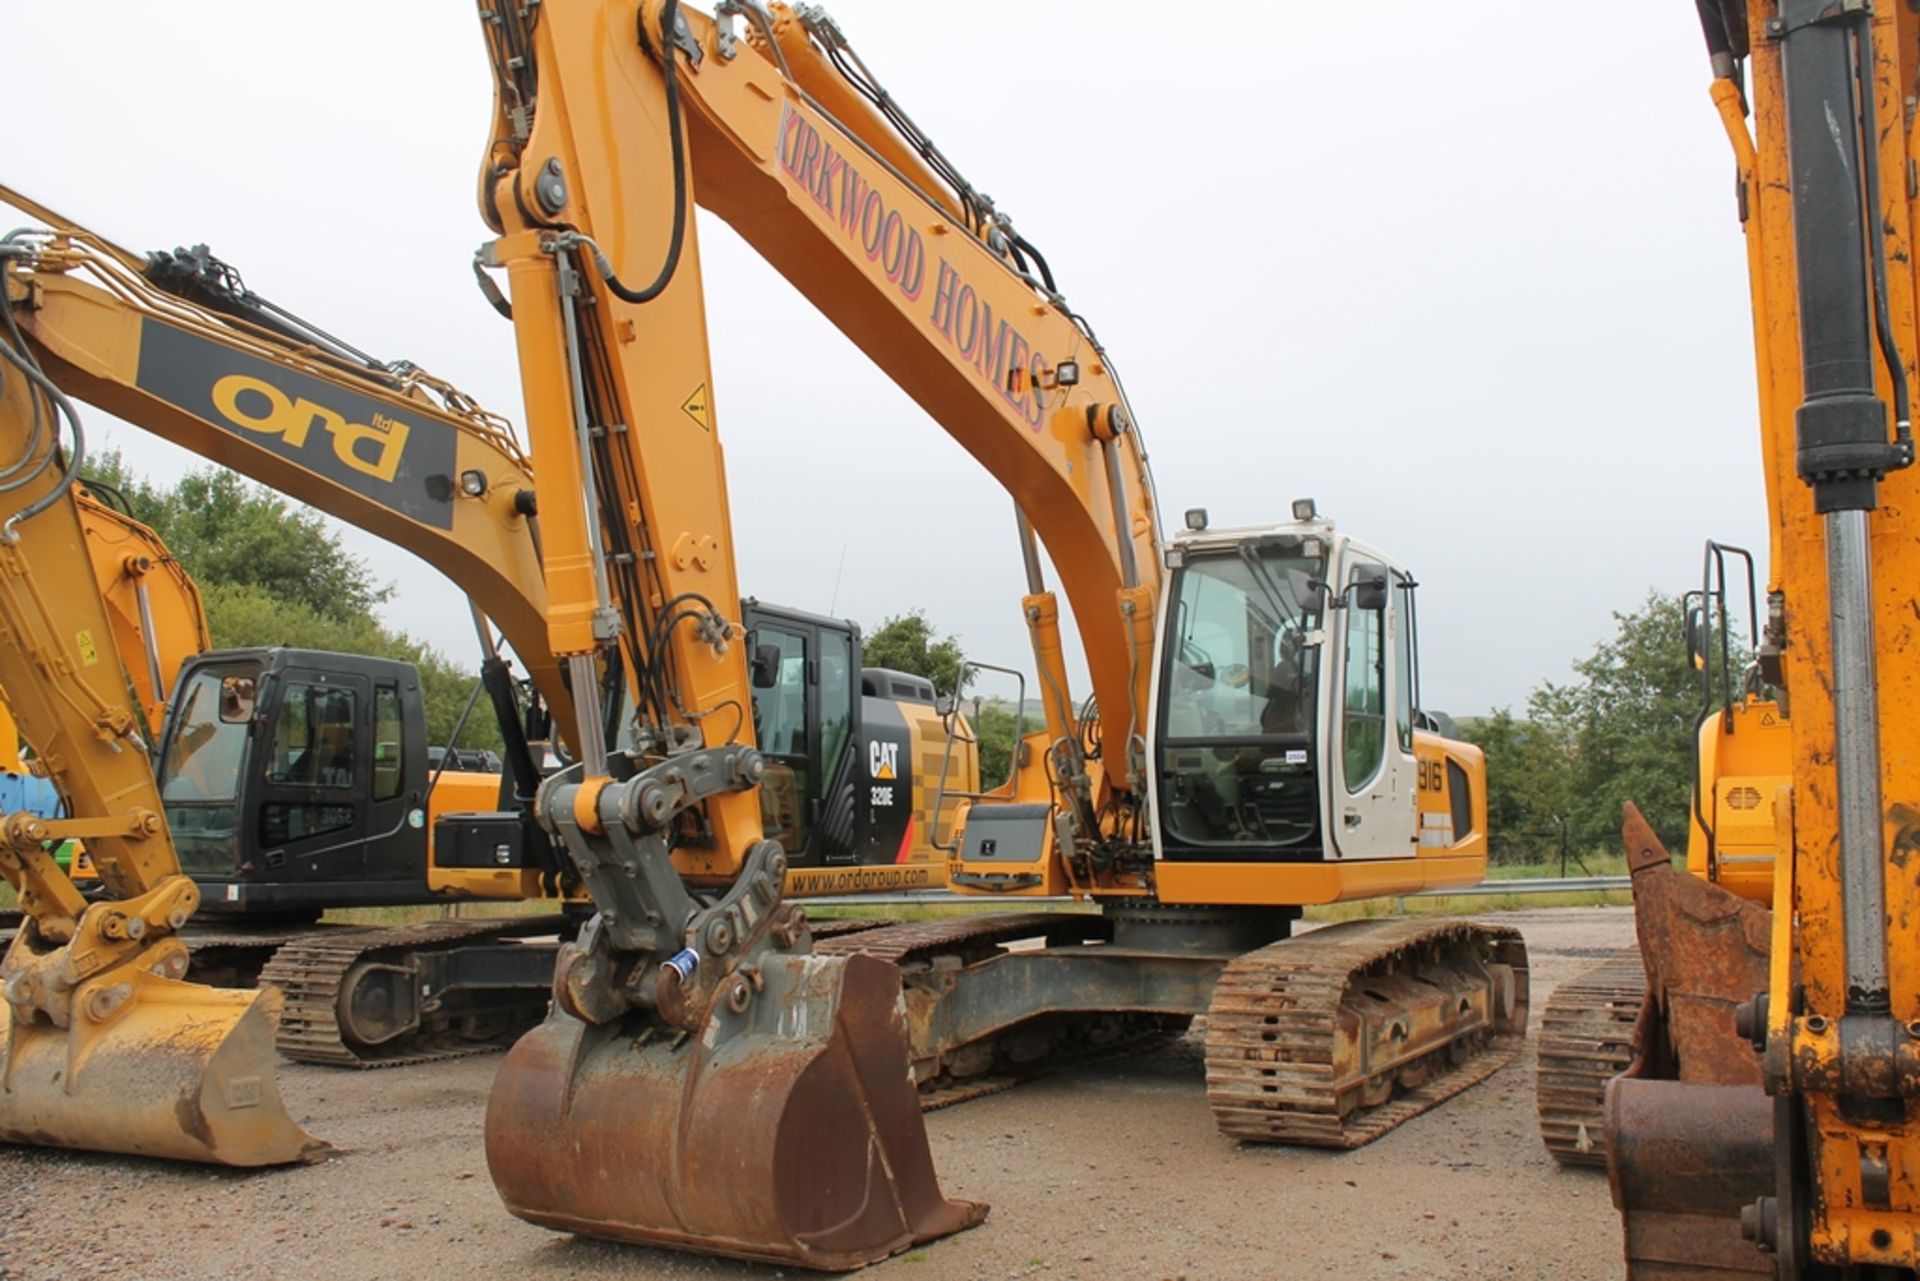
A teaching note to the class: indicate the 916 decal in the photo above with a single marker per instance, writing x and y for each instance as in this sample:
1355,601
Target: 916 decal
1433,776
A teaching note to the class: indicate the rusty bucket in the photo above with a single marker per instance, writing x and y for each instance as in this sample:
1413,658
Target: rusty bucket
177,1070
787,1132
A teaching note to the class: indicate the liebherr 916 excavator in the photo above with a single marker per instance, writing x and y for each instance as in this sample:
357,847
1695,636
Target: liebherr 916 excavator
1765,1123
711,1076
708,1079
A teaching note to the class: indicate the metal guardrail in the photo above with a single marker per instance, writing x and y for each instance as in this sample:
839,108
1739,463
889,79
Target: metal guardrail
1518,885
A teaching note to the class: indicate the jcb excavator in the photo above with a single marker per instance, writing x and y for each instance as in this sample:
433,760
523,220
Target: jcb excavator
710,1078
1766,1123
295,781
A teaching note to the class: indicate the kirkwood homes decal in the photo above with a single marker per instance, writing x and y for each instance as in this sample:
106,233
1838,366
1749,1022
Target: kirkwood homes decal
401,461
999,354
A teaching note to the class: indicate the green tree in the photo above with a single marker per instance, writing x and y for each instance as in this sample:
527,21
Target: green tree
994,724
271,573
1630,719
1529,777
225,530
908,643
241,615
1621,731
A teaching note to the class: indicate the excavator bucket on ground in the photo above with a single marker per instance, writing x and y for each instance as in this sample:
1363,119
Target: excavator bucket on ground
786,1129
152,1066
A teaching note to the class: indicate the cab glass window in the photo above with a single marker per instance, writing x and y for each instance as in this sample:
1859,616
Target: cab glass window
836,697
283,822
313,737
387,742
203,756
1364,731
200,776
780,710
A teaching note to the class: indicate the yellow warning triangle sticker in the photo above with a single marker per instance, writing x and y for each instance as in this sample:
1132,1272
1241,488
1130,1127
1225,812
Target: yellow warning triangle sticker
696,407
1768,719
885,771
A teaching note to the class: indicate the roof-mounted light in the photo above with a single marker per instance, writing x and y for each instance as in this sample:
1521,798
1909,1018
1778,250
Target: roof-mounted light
1303,509
1196,519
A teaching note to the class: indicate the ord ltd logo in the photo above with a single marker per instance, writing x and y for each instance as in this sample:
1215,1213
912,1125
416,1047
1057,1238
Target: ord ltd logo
373,448
367,444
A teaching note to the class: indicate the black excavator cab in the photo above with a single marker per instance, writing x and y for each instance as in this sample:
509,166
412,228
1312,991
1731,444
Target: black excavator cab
297,780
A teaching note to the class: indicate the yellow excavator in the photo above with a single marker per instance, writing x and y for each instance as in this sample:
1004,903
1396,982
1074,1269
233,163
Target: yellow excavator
712,1076
712,1079
1765,1123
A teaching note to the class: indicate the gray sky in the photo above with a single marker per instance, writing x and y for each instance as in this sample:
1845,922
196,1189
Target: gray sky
1477,287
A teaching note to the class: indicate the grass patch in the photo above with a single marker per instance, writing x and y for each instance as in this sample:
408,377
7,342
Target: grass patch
1612,863
1602,863
1464,905
484,910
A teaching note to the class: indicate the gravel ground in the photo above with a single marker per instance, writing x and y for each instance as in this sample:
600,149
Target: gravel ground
1114,1171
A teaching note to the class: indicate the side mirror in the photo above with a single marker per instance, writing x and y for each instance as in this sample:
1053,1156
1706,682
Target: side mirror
1370,593
1305,590
236,699
766,666
1696,637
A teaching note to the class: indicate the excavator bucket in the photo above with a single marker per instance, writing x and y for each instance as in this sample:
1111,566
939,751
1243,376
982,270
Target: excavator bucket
787,1132
155,1067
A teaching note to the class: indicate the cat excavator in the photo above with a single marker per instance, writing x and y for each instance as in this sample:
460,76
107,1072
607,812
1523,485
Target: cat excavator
1765,1122
714,1075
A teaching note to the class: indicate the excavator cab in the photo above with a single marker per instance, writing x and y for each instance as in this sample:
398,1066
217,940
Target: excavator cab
1240,694
296,781
859,762
1289,728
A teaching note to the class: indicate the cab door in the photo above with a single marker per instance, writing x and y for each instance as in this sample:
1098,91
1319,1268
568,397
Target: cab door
1371,798
782,712
314,773
805,689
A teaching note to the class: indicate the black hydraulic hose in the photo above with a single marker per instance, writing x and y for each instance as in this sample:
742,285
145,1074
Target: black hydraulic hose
111,495
671,69
490,290
524,770
1025,246
21,358
1876,235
